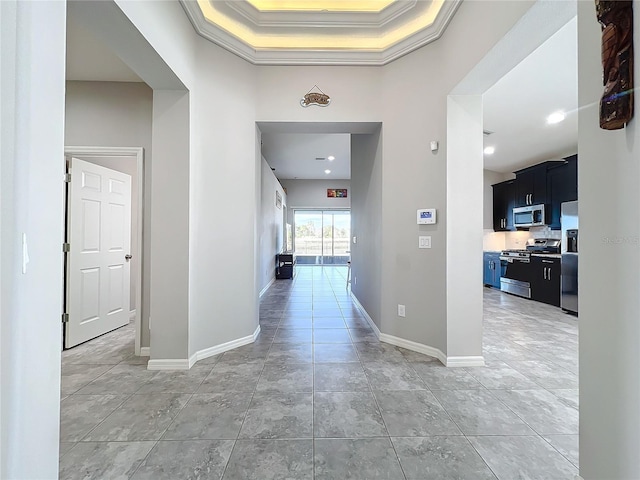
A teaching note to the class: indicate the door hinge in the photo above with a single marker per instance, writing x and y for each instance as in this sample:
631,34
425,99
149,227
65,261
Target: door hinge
65,318
67,177
66,247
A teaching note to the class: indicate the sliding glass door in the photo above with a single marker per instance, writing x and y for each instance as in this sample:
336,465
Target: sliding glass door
321,237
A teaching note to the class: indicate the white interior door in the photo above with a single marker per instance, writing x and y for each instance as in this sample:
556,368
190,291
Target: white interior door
99,234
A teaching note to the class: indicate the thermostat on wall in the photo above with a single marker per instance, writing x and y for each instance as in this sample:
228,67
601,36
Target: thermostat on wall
426,216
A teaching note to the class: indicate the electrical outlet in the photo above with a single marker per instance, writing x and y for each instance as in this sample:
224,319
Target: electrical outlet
401,310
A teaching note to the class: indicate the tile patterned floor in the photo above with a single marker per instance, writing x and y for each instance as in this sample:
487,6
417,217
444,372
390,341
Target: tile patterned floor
318,397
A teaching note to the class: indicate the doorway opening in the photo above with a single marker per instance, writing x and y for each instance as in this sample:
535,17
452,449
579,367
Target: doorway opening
321,237
130,161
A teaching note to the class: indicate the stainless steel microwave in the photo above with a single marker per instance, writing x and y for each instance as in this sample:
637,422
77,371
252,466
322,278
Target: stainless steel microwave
530,216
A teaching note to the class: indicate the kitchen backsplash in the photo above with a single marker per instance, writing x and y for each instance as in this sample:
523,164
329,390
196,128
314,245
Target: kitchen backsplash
497,241
545,232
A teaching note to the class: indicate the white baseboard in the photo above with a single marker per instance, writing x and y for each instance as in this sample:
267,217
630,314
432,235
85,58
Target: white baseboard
169,364
264,290
366,315
132,315
414,346
187,363
145,351
217,349
467,361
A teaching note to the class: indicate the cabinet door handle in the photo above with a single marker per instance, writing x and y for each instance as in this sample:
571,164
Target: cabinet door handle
544,272
549,274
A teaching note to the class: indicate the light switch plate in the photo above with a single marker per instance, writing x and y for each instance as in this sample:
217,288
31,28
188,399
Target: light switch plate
401,310
424,242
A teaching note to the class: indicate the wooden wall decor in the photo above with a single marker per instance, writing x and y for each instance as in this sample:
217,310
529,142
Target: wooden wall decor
319,98
616,104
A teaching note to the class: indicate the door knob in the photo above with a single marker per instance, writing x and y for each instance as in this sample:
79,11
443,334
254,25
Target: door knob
128,257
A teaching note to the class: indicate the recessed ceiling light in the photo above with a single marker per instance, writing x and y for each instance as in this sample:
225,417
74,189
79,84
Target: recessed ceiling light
331,158
489,150
327,172
555,117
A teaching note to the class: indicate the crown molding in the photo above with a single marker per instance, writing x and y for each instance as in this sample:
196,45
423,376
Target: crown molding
328,19
293,56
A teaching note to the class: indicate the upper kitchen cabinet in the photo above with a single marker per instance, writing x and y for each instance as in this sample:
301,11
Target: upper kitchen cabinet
531,184
562,186
503,203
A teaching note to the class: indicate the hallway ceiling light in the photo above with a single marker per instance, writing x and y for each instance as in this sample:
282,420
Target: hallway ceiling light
321,5
331,158
320,32
489,150
327,172
556,117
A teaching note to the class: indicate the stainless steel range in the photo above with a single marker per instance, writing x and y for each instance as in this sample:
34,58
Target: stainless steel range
515,265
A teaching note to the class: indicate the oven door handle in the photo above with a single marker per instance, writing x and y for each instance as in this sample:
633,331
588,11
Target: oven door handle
516,259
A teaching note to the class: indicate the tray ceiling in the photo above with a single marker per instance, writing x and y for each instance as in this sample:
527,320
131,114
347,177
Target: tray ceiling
320,32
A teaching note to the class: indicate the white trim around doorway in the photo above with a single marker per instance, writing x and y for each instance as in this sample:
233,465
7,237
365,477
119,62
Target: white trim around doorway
137,152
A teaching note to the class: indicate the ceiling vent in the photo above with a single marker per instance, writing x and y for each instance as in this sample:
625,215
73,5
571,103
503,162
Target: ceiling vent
320,158
486,133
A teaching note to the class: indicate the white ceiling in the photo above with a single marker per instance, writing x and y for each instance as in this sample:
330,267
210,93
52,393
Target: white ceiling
320,32
89,59
516,107
294,155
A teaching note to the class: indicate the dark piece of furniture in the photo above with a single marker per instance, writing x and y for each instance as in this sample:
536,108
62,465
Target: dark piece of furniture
285,265
545,280
503,203
492,269
562,186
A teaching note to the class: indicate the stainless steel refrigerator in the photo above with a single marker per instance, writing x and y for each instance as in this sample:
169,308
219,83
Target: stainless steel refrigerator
569,279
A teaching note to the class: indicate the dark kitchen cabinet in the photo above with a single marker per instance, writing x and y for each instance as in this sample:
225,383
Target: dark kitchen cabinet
503,203
492,269
545,280
531,184
562,186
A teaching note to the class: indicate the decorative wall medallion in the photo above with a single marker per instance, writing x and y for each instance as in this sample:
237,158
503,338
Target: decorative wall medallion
616,104
319,98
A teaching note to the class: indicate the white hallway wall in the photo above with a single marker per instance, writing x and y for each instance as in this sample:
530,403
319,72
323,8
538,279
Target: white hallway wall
271,225
223,194
32,142
609,272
